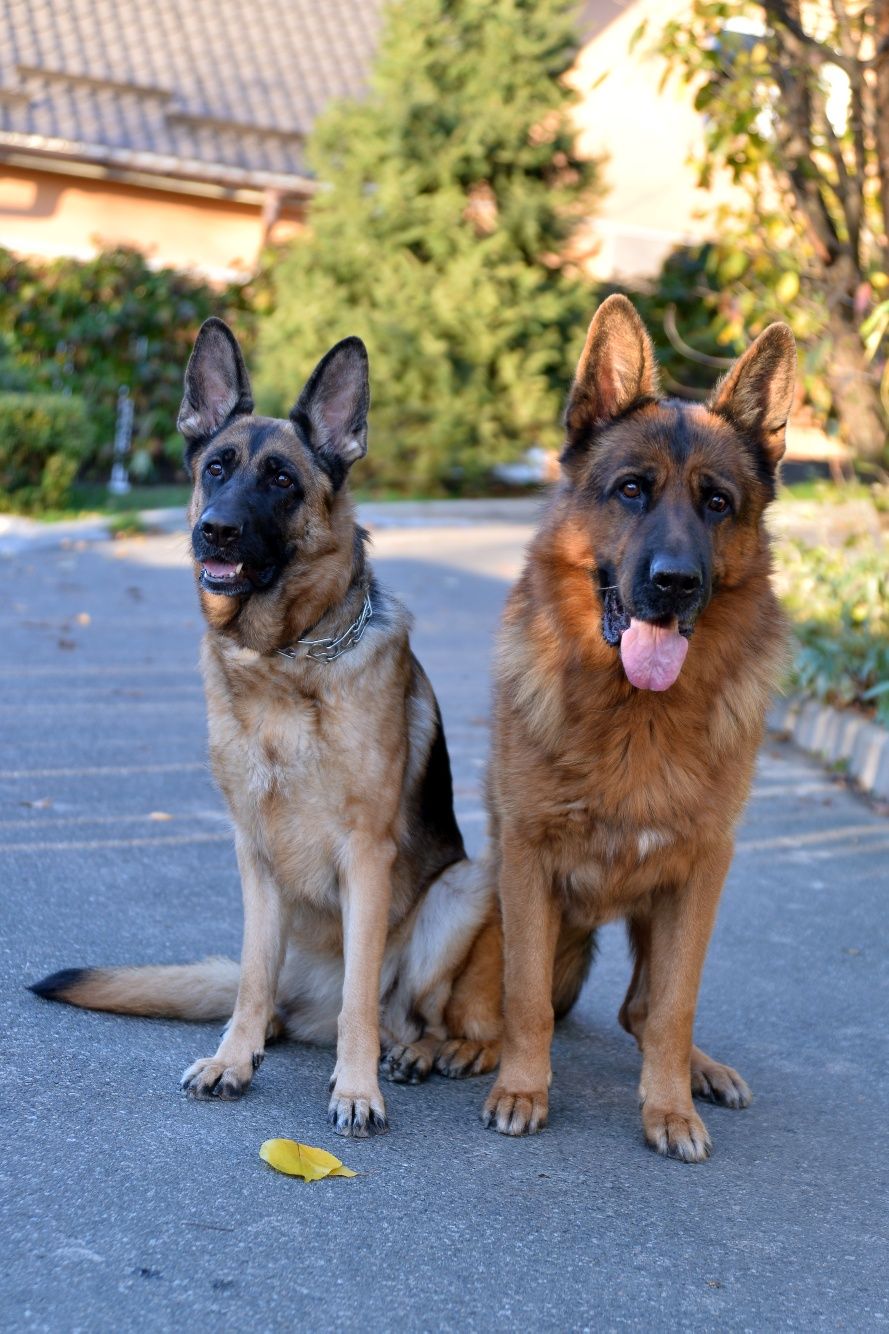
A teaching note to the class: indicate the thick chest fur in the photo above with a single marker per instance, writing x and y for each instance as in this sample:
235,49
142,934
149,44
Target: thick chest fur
620,792
318,763
284,759
268,758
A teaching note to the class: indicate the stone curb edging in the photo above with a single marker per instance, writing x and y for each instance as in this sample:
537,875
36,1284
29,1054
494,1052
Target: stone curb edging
837,736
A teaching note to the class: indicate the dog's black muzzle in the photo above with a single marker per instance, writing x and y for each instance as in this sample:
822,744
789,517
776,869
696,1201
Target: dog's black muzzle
671,585
667,587
233,562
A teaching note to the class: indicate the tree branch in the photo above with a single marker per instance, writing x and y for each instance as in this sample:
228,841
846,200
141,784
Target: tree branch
794,134
881,118
777,9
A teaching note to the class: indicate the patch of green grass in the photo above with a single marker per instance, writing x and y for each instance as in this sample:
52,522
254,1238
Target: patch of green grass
94,498
838,602
825,492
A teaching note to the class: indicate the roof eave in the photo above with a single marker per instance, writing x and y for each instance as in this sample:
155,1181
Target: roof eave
150,170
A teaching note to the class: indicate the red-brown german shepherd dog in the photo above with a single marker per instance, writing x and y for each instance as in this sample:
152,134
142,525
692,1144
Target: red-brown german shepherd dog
637,655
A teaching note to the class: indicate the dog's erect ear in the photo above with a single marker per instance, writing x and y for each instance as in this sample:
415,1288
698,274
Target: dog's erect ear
757,394
332,409
217,386
616,368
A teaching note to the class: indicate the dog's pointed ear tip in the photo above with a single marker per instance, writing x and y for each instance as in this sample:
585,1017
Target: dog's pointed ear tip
616,306
617,301
779,332
214,323
352,346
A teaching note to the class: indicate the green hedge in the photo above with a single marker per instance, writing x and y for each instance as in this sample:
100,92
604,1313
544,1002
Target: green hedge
44,439
838,601
86,327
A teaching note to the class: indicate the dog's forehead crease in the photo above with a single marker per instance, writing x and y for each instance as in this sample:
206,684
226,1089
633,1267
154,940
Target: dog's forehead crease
684,442
271,433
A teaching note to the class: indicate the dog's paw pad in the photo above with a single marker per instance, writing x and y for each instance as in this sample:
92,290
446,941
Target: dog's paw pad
357,1117
515,1113
459,1058
681,1135
406,1064
720,1084
210,1078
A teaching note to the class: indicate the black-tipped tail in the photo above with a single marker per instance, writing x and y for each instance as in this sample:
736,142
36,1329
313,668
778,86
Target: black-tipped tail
59,986
205,990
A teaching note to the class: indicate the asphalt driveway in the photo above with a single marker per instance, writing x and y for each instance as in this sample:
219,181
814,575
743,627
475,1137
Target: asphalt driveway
126,1206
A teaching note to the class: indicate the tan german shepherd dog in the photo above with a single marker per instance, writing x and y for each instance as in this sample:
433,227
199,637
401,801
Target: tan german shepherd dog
637,655
327,742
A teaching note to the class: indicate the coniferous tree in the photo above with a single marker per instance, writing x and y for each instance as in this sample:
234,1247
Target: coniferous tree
439,234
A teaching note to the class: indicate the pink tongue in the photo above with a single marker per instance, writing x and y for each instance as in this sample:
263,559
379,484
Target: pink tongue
218,569
652,655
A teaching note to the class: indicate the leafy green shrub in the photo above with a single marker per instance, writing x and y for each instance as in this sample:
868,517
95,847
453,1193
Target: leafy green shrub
14,378
43,440
838,601
88,327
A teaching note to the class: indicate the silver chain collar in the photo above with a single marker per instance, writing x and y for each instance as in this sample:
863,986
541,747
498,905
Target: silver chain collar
328,650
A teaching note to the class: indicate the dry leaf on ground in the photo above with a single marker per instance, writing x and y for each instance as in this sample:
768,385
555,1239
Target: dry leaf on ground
302,1160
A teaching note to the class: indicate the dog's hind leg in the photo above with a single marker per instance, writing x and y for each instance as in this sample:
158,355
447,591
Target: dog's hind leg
473,1017
229,1072
440,947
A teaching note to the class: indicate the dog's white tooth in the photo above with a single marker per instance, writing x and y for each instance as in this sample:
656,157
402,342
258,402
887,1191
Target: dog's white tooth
239,568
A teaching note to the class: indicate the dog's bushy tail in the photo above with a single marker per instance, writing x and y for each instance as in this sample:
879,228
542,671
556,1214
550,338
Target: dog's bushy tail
205,990
574,955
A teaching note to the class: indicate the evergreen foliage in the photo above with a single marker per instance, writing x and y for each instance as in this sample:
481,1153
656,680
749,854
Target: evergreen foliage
439,235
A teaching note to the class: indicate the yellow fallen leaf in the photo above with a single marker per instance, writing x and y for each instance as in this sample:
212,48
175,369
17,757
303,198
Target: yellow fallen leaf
159,815
302,1160
82,618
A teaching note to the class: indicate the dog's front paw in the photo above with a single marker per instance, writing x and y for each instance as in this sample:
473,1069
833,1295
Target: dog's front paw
216,1078
515,1113
357,1115
676,1134
458,1058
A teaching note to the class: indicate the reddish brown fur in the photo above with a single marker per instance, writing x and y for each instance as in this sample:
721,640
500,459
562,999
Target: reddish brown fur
608,801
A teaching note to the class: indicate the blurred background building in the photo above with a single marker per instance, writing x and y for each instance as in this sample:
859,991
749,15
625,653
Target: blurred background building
179,128
174,127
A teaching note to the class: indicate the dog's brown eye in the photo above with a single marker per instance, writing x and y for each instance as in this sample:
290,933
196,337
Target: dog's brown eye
215,469
283,481
631,490
718,503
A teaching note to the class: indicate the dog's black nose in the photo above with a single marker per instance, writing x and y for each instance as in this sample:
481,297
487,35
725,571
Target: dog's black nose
677,575
220,531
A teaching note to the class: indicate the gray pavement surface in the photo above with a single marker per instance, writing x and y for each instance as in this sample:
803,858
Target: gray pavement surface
125,1206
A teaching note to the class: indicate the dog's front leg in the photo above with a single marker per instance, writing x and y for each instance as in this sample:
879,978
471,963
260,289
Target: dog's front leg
518,1102
229,1072
356,1104
681,922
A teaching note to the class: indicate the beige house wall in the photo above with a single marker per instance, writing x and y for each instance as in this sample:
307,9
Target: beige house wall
647,138
49,215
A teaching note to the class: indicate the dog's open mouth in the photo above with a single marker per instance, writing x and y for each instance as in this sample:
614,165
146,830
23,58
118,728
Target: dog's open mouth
220,576
652,652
